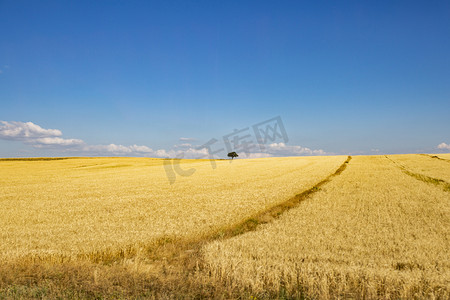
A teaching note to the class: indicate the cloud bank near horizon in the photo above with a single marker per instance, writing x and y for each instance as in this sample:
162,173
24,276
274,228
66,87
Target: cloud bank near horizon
443,146
41,138
38,137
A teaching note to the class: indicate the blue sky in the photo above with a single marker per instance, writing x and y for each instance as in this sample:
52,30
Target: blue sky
346,77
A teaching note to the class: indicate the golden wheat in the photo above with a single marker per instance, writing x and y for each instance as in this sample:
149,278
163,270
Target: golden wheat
443,155
372,232
98,207
424,165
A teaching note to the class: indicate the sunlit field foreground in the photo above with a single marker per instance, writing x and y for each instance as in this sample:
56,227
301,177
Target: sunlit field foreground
98,208
300,227
372,232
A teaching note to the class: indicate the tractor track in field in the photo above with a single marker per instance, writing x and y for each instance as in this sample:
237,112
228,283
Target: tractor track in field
436,157
172,248
427,179
274,212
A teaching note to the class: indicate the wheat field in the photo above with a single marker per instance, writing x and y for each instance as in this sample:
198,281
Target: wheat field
292,227
373,232
98,207
424,165
443,155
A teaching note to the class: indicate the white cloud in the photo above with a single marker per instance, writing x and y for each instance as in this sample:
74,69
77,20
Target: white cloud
35,135
281,149
161,153
141,149
25,131
443,146
184,145
38,137
135,150
257,155
276,149
185,139
196,153
117,149
55,141
111,148
186,153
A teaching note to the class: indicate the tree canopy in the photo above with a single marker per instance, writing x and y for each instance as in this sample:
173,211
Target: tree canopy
232,155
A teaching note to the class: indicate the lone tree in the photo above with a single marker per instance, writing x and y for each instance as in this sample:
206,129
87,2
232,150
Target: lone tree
232,155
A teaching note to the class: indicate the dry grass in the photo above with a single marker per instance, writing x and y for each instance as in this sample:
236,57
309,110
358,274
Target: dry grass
372,232
105,209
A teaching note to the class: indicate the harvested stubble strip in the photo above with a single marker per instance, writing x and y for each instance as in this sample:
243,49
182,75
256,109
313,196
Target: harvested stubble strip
371,232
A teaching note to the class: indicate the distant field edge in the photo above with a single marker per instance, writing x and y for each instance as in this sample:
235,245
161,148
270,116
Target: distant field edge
70,157
96,157
49,158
